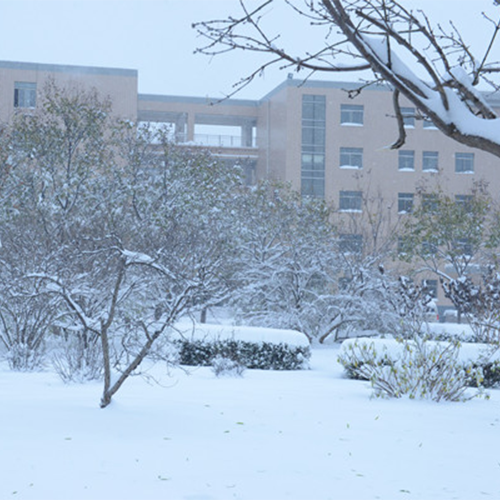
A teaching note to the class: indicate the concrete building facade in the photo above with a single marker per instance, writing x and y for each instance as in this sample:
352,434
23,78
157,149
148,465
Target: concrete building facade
311,134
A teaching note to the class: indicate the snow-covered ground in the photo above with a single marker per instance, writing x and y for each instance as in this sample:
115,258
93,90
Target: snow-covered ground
266,436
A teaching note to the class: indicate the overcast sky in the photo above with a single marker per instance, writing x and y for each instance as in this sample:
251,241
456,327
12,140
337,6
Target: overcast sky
155,37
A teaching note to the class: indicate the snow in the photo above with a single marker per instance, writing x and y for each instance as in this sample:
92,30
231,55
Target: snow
198,331
266,436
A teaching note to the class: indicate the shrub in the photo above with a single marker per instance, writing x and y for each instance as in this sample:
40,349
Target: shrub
417,368
25,356
260,355
226,366
78,359
251,347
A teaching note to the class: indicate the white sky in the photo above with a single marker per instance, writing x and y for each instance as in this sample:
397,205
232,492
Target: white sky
155,37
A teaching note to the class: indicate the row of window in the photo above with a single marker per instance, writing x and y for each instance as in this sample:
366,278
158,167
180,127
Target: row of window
429,201
313,158
354,114
351,201
464,162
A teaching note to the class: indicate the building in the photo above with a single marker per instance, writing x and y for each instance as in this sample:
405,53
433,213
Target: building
311,134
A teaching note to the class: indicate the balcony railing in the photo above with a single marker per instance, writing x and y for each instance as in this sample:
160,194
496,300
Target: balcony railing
225,141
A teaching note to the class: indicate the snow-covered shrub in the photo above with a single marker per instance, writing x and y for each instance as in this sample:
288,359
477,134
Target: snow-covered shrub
478,303
251,347
25,320
417,368
25,357
223,366
78,359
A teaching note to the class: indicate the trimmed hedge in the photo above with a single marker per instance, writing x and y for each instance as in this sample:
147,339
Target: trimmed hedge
260,355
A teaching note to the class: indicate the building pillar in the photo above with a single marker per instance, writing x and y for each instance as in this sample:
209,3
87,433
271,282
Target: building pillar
190,127
247,135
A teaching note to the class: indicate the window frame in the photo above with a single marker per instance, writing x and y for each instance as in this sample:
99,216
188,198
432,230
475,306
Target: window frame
25,95
405,200
351,243
351,153
461,160
403,156
426,155
350,201
352,114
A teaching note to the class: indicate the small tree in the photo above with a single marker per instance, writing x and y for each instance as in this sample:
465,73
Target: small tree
123,231
478,300
450,236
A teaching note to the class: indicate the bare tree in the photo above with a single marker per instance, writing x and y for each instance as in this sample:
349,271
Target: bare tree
431,65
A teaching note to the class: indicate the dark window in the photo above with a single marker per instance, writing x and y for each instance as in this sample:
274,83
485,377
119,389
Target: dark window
313,145
351,157
464,163
430,161
463,200
405,203
431,286
351,243
428,124
430,202
351,114
350,200
408,116
24,95
406,160
464,247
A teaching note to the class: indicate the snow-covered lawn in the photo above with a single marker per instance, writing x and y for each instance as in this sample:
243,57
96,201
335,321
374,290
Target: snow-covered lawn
308,435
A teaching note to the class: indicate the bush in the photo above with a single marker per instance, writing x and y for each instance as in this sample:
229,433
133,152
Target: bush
78,359
25,356
417,368
226,366
260,355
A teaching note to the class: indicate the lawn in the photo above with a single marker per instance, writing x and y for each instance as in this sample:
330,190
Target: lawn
188,435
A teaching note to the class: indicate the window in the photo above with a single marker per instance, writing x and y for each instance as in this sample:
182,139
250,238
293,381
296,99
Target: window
406,160
428,248
350,201
430,202
24,95
430,160
351,243
431,286
408,116
313,145
464,247
405,203
313,174
351,157
464,163
404,245
429,125
351,114
463,200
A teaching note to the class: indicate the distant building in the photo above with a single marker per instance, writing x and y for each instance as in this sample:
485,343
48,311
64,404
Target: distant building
311,134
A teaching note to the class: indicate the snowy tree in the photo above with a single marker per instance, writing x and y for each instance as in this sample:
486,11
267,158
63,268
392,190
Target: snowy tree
450,236
292,271
286,259
478,300
430,65
119,230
